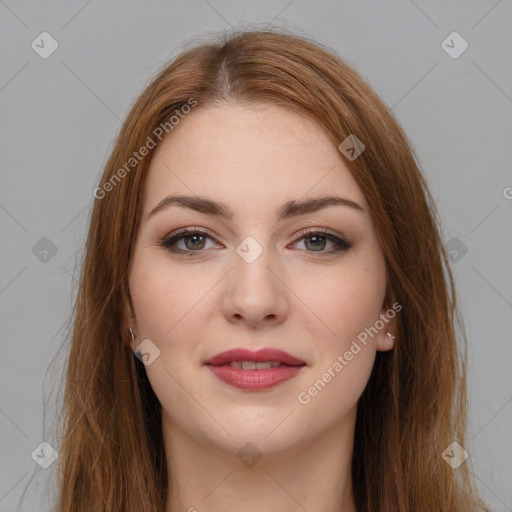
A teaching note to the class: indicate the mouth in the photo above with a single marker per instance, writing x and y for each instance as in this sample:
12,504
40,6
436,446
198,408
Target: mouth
254,371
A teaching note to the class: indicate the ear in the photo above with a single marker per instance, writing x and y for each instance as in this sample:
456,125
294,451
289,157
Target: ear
385,341
387,335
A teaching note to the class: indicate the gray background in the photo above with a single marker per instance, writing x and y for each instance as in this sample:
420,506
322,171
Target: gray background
60,116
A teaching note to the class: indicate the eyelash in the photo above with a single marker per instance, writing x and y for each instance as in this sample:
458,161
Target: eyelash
169,240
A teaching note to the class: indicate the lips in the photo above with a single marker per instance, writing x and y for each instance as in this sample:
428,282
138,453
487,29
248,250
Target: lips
255,371
262,355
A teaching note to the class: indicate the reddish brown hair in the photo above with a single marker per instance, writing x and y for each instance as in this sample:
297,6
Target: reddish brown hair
414,406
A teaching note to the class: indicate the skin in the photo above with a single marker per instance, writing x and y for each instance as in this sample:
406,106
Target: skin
254,159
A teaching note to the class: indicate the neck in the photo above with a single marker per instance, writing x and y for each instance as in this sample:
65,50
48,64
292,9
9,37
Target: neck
314,475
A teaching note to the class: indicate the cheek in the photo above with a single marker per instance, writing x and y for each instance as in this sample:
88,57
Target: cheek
164,296
351,303
167,302
348,301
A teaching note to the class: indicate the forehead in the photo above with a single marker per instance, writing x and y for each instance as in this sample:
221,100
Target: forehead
261,154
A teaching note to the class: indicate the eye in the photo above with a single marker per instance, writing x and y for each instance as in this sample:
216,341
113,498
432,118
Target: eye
194,241
317,241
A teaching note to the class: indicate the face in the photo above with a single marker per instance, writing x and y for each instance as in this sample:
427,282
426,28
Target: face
266,275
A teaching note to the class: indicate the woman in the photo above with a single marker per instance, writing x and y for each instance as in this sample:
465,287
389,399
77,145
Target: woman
266,317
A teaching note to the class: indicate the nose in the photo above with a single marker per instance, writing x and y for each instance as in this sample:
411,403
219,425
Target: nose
255,293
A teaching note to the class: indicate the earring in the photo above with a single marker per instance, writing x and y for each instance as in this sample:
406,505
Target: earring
131,332
129,317
390,335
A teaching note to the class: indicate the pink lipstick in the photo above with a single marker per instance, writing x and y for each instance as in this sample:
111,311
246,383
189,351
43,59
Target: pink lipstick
254,371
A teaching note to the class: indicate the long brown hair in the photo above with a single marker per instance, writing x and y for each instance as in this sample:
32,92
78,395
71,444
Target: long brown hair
414,406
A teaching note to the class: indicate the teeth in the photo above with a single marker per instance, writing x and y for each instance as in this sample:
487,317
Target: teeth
252,365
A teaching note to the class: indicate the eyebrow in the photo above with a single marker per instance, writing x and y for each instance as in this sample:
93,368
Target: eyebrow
287,210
